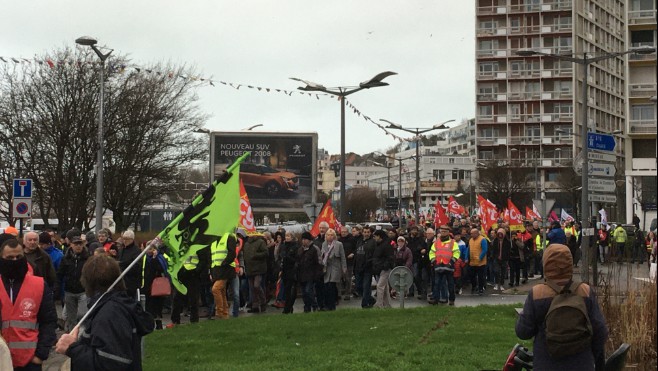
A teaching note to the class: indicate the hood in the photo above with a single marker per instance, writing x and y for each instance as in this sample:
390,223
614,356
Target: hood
144,323
558,263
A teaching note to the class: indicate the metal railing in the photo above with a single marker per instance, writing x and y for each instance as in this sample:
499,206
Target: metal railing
642,126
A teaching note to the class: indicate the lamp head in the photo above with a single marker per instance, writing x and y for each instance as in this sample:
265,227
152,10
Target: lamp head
86,41
525,52
644,49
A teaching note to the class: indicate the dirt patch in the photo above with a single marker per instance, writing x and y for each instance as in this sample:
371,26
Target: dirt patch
438,325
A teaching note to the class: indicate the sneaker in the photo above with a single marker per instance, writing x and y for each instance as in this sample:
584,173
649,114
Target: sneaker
452,303
496,287
460,292
171,325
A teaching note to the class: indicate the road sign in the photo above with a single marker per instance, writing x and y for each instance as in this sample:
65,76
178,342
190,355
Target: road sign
22,188
588,232
549,205
596,156
592,197
601,142
601,185
601,169
22,208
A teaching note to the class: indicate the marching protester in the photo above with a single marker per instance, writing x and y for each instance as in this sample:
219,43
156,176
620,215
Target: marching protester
222,269
46,243
308,271
91,346
255,261
157,285
289,265
443,255
383,260
40,261
500,251
349,245
363,268
335,266
69,273
27,308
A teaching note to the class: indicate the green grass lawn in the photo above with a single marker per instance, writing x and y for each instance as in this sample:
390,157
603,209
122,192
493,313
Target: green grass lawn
428,338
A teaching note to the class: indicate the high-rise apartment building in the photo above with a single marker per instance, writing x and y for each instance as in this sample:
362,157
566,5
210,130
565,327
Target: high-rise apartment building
530,109
640,145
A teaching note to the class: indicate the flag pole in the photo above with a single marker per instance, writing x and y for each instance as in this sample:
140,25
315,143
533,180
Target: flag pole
154,242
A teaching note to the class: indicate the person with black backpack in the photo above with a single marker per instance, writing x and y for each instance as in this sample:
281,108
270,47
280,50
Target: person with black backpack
564,318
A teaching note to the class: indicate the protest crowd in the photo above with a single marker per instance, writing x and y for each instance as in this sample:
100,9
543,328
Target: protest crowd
251,272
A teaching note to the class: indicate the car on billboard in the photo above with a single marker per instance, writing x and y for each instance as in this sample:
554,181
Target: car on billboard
271,181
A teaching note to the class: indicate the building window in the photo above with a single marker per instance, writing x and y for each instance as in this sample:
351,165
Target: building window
451,160
486,111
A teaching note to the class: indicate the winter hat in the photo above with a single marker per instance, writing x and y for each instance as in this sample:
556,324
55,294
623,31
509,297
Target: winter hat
44,237
307,236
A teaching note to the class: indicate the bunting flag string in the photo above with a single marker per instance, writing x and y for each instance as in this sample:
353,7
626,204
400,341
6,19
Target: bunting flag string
121,68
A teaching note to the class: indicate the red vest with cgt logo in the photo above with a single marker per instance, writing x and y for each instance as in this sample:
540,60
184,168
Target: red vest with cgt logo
19,319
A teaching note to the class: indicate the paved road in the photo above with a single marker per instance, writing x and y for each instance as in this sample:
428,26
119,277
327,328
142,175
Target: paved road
622,276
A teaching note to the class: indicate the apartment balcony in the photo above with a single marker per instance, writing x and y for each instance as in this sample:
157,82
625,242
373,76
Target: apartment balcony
557,117
517,96
556,95
499,31
641,90
492,75
492,53
490,141
564,5
644,164
557,28
642,17
565,72
492,97
524,30
491,10
492,119
531,163
642,126
524,74
530,117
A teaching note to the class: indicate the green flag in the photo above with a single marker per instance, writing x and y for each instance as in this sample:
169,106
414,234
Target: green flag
215,212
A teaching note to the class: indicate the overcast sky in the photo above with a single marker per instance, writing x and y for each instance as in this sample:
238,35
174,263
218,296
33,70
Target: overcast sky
429,43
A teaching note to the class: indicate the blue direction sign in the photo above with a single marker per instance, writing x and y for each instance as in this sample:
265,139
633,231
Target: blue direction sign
22,188
601,142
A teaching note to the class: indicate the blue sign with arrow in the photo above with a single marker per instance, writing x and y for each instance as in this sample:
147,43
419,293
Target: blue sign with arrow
601,142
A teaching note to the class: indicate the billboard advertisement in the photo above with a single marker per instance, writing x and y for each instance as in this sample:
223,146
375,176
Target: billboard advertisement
279,175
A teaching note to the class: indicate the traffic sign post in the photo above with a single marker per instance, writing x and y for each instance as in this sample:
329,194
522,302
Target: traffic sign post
601,142
22,208
22,188
601,169
602,185
605,157
606,198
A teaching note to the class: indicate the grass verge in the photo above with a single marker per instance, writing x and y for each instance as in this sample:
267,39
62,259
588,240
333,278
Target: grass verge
430,338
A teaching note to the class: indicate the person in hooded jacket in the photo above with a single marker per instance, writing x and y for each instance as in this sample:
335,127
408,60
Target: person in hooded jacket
556,234
558,268
500,252
69,273
90,345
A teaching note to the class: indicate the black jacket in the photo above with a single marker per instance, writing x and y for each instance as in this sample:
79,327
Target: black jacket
289,260
46,317
70,271
496,245
133,278
309,265
383,257
119,349
349,245
43,267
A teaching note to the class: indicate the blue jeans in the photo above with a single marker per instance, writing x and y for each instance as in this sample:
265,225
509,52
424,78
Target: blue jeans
366,289
308,294
443,281
235,285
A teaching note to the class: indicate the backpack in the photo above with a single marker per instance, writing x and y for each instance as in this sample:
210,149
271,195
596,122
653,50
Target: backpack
568,328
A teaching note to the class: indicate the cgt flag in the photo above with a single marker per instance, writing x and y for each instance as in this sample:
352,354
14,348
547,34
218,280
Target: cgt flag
440,217
454,207
531,214
211,214
326,215
247,221
566,217
515,217
488,213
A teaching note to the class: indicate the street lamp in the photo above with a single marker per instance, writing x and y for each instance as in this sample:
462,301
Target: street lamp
91,42
399,160
342,92
585,61
417,132
252,127
207,132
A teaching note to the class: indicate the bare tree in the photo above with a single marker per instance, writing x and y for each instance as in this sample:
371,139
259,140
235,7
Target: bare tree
501,181
48,121
359,201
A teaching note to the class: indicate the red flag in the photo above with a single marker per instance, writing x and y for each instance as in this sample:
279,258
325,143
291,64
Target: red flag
552,217
488,212
454,207
326,215
247,221
515,216
440,217
504,215
531,214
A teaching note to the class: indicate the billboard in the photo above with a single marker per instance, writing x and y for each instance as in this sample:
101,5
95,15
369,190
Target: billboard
280,173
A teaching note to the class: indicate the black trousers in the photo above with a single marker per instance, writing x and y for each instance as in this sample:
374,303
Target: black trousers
515,271
290,293
191,280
